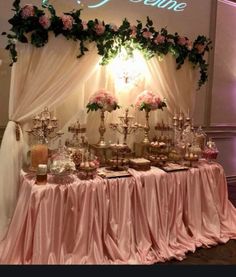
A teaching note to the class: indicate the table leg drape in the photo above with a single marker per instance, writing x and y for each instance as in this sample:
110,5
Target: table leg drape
147,218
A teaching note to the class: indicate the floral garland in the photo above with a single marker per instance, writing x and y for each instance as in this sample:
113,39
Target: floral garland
108,37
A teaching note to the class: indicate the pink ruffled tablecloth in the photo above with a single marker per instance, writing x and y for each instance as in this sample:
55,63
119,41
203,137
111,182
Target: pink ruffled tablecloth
147,218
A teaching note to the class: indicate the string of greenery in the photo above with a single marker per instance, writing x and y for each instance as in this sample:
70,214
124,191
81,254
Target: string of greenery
34,24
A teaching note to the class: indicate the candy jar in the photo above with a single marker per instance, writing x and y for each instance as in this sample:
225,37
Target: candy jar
201,138
210,151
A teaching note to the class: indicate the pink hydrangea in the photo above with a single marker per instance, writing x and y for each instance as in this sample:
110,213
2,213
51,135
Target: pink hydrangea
160,39
133,31
182,41
200,48
170,40
27,11
85,25
67,21
44,21
100,28
189,45
114,27
150,100
147,34
104,99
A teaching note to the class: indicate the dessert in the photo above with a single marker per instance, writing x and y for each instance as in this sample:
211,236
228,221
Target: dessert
140,164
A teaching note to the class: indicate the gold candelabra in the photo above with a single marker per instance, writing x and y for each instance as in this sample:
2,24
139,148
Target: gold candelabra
125,127
180,121
44,125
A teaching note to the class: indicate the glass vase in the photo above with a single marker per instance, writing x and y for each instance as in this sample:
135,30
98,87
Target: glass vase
39,154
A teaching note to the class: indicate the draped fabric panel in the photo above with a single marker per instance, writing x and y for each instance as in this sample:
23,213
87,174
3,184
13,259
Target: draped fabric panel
150,217
177,86
41,77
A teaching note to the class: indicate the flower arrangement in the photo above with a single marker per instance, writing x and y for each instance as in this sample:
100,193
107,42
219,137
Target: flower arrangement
102,100
148,101
109,38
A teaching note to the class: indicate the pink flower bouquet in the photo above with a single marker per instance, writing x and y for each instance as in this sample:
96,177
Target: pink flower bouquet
27,11
149,101
102,100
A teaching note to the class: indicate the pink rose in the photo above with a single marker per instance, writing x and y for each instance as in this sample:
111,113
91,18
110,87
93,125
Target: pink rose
100,103
27,11
44,21
148,98
85,25
100,29
200,48
170,40
109,101
133,31
189,45
67,21
104,99
98,98
147,34
158,101
114,27
182,41
159,39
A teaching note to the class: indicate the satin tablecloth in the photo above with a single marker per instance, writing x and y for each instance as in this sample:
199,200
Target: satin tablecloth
147,218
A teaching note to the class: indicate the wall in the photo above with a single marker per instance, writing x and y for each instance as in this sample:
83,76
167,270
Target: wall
5,75
222,95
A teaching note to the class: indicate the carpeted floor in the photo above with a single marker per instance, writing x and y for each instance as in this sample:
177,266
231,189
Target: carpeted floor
223,254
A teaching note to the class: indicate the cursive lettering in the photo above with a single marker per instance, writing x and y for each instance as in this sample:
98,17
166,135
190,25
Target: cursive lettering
161,4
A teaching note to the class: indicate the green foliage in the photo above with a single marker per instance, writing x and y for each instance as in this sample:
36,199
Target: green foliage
93,107
146,107
109,42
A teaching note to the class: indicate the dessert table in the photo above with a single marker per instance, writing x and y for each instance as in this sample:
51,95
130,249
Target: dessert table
150,217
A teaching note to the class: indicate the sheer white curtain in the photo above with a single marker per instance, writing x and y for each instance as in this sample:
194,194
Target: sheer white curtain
177,86
41,77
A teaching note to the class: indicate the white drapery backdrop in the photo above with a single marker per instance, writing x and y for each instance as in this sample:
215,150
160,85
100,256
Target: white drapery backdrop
52,76
177,86
41,77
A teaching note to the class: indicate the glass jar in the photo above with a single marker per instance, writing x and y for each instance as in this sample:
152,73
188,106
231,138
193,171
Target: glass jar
39,154
210,151
41,177
201,138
